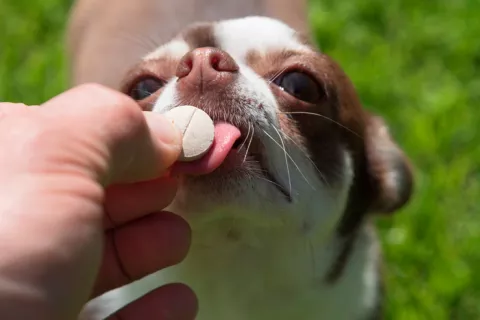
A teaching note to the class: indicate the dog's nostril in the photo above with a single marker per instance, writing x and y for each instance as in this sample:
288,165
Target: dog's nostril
189,63
215,62
222,62
184,66
205,64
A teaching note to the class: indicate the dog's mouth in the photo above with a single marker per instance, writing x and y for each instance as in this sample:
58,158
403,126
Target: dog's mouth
232,145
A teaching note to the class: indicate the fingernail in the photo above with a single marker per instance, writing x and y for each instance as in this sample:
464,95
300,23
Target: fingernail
163,129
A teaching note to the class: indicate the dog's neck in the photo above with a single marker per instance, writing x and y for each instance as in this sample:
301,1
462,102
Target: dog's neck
281,276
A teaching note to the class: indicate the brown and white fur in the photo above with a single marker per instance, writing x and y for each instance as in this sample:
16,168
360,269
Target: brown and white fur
298,242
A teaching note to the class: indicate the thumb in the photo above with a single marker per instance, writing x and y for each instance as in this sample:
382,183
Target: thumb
126,143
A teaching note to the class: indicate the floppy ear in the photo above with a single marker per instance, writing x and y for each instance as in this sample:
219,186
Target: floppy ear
388,168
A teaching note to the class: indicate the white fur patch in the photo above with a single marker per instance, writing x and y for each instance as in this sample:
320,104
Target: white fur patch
239,36
168,98
176,48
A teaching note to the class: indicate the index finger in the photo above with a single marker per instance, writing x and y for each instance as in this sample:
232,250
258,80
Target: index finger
140,248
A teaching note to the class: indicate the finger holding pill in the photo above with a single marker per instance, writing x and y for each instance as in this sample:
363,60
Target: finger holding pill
197,129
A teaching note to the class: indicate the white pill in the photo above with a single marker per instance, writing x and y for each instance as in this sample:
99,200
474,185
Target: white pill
197,129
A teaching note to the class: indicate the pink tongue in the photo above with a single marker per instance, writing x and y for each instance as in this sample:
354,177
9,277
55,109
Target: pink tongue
225,136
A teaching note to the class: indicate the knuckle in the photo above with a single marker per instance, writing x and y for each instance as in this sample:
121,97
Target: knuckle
8,108
31,135
94,88
128,109
107,95
12,105
115,107
126,114
39,132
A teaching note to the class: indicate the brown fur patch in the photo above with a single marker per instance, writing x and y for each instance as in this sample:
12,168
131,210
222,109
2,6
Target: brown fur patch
162,68
340,121
330,122
199,36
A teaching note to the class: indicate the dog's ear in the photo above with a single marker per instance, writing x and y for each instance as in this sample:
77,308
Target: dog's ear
388,169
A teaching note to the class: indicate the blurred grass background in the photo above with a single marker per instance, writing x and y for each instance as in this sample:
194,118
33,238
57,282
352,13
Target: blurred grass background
417,64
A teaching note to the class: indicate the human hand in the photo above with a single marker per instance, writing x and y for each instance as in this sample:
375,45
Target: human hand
80,179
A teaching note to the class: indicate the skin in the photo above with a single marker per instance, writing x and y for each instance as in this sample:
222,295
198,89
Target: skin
82,187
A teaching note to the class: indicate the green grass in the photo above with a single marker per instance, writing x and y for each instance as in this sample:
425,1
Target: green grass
417,64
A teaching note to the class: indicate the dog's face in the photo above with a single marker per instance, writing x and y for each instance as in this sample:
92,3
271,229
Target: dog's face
293,145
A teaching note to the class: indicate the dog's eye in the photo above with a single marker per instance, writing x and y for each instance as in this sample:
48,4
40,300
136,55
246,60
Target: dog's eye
145,87
299,85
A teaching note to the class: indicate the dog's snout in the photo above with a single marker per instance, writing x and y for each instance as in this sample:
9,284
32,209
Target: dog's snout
207,66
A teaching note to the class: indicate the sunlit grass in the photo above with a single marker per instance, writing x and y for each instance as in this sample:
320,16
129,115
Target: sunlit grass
417,64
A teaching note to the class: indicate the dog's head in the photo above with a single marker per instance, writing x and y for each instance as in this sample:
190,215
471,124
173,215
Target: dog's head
293,145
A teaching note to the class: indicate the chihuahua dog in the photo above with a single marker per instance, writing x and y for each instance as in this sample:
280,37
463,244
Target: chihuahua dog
281,207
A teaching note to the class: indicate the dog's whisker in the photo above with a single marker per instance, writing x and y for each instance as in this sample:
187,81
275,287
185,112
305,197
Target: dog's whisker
276,75
286,161
147,43
249,143
290,157
144,91
307,156
323,117
155,95
298,168
267,180
246,138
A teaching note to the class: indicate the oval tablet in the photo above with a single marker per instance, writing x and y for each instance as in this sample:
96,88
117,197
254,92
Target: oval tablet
197,129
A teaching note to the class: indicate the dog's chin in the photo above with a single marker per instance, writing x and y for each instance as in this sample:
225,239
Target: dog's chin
240,183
